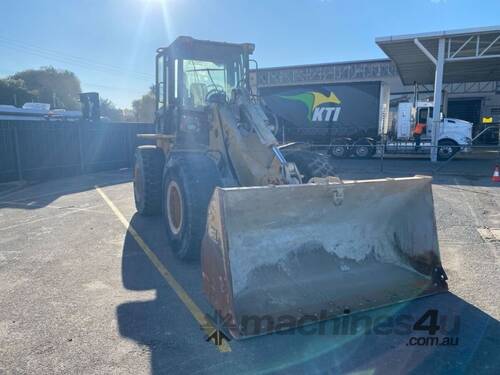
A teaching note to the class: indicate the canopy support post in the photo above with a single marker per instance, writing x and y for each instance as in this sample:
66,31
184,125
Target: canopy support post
438,92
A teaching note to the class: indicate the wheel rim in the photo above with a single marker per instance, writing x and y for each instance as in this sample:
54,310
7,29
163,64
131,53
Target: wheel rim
338,151
174,207
445,151
362,151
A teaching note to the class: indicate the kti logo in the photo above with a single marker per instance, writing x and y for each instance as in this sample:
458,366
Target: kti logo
319,106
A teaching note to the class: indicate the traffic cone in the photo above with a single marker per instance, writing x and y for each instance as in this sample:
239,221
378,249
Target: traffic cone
496,174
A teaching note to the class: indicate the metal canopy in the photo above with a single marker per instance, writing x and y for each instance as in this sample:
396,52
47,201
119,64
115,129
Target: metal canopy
467,55
471,55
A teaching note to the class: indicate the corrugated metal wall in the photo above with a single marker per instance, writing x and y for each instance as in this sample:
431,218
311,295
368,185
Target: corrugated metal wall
8,165
33,150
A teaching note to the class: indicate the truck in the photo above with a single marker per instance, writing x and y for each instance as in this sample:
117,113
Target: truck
353,120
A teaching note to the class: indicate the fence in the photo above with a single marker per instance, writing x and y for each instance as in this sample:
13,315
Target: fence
39,150
34,150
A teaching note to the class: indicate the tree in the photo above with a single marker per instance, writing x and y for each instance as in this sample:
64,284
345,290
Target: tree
144,108
128,115
109,110
61,88
14,92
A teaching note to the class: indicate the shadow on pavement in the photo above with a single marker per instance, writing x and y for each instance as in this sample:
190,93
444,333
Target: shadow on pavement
36,195
374,342
163,325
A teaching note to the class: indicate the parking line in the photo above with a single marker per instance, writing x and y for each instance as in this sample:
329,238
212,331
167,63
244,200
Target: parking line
169,278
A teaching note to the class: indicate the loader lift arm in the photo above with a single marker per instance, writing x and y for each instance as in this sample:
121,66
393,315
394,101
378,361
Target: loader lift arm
210,94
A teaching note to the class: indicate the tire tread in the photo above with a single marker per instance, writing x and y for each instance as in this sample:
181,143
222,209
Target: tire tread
152,166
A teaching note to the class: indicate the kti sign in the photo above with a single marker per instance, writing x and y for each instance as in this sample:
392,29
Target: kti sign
320,108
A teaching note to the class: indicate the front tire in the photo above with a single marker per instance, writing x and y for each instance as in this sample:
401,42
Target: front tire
188,185
148,169
447,149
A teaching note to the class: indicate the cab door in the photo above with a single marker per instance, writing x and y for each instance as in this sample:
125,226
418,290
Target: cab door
424,116
428,129
162,107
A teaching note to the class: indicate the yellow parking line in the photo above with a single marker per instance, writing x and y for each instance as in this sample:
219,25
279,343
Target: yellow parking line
169,278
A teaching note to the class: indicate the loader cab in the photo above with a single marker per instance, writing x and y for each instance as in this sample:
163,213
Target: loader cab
190,74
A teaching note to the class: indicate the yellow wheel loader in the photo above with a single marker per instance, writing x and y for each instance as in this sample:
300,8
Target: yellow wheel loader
281,240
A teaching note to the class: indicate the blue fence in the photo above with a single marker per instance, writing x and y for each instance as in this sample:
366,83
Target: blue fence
35,150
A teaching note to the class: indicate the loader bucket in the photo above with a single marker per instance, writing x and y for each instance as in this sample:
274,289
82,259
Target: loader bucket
278,257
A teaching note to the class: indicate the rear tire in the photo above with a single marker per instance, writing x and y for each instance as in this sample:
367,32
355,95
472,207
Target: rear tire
310,164
148,169
188,184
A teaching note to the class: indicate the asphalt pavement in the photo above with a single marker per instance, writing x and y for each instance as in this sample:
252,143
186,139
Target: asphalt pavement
89,286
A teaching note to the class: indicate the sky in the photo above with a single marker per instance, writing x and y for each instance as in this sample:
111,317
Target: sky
111,44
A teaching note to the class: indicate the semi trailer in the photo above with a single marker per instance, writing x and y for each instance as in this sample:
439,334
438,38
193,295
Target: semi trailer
352,120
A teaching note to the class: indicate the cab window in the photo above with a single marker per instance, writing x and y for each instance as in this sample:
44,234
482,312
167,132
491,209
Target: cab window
204,77
422,115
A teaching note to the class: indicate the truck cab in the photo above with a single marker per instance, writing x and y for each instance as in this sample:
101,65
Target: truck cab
454,134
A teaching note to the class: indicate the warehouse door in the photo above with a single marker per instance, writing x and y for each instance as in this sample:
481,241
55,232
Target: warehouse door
468,110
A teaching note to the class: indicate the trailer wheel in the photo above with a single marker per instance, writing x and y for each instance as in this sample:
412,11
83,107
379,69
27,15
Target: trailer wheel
340,148
188,185
339,151
446,149
310,164
364,149
148,169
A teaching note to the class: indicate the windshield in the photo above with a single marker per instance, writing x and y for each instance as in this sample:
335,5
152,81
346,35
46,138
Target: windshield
202,77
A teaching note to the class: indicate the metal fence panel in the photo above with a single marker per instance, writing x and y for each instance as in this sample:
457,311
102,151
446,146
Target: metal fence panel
48,149
8,162
105,147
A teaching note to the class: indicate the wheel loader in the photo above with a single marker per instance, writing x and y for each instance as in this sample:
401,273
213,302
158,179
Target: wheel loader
282,241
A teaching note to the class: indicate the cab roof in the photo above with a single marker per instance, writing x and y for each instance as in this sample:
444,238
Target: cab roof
188,47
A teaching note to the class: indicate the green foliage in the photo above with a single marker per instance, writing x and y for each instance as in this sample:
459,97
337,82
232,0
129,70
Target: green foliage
109,110
14,92
62,88
144,107
45,85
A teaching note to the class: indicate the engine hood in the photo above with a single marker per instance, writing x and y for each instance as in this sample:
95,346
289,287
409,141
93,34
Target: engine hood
457,122
459,130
